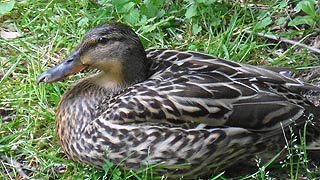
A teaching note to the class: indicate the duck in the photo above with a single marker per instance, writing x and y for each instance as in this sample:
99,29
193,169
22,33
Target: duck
184,113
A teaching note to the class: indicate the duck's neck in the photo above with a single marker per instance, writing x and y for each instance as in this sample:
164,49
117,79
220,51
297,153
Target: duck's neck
109,83
135,66
79,107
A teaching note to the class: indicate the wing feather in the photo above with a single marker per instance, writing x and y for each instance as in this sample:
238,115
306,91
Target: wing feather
198,88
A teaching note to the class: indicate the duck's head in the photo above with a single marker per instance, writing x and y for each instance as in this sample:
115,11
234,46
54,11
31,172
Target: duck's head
113,48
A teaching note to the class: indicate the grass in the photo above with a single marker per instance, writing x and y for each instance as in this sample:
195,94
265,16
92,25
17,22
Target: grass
51,29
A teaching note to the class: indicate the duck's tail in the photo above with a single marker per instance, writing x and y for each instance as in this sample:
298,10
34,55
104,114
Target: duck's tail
313,136
313,142
312,129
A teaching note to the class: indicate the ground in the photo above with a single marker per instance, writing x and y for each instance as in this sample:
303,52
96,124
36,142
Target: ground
35,35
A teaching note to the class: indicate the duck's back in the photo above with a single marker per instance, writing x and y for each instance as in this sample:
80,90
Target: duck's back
193,88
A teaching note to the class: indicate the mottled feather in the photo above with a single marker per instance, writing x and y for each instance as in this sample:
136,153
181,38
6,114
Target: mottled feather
186,113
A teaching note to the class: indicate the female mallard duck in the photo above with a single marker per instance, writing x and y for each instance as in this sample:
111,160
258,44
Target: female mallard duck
188,113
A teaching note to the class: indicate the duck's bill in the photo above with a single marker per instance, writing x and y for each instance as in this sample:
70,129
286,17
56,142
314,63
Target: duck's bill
69,66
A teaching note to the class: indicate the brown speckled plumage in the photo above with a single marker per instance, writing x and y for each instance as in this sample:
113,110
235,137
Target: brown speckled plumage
189,114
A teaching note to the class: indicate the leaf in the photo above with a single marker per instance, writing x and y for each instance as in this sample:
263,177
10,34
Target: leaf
207,2
127,7
281,20
196,29
215,22
142,21
6,7
122,6
306,6
108,166
298,20
83,22
148,28
283,4
191,11
133,17
151,7
264,23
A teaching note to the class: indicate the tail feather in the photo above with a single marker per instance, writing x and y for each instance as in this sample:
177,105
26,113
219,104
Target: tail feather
315,156
313,135
313,130
313,141
314,146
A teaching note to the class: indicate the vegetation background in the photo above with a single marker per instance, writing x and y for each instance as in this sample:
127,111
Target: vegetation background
35,35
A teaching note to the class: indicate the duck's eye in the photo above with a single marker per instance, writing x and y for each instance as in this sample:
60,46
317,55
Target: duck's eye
102,40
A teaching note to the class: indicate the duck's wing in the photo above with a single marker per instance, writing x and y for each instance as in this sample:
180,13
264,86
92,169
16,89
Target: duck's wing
201,90
163,58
